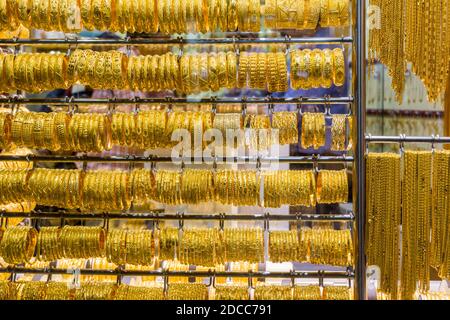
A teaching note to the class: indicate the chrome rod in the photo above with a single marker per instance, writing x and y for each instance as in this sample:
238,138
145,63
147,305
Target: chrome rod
233,274
170,100
192,160
359,178
407,139
177,41
160,215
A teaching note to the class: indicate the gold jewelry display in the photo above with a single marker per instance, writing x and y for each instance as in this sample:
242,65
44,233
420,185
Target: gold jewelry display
383,218
283,246
338,132
139,247
243,244
239,188
416,211
17,244
272,292
169,244
317,68
259,127
168,187
101,290
231,291
337,293
143,186
48,246
82,242
187,291
264,71
287,125
200,246
332,186
292,187
7,290
193,73
439,211
126,292
203,247
34,72
96,291
62,187
197,186
14,186
313,130
31,290
334,13
115,190
58,291
418,33
310,292
106,190
328,246
5,130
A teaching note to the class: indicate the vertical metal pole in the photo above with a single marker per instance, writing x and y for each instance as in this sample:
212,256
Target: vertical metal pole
359,174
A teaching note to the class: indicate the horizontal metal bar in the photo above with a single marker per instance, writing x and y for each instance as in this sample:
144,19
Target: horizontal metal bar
149,159
170,100
177,41
407,139
406,113
160,215
120,272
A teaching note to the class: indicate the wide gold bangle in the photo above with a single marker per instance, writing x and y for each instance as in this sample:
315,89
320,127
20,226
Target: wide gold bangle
287,14
282,72
231,70
312,14
338,132
316,68
338,67
213,79
232,15
327,71
254,16
222,69
242,13
86,15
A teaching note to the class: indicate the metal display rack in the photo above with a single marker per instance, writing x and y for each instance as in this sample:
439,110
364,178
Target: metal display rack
357,105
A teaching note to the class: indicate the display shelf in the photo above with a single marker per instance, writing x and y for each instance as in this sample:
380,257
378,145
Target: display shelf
157,215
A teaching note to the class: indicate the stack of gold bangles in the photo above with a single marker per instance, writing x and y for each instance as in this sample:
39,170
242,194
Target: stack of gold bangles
116,190
317,68
151,16
104,290
318,246
303,14
86,132
208,247
192,73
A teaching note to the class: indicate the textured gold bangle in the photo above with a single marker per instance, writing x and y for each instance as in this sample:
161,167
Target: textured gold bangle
312,14
5,130
213,79
338,67
253,70
287,14
316,68
282,72
338,132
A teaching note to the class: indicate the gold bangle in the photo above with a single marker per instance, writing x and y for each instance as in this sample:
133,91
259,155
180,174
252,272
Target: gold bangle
242,13
327,71
338,67
286,14
213,79
312,14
